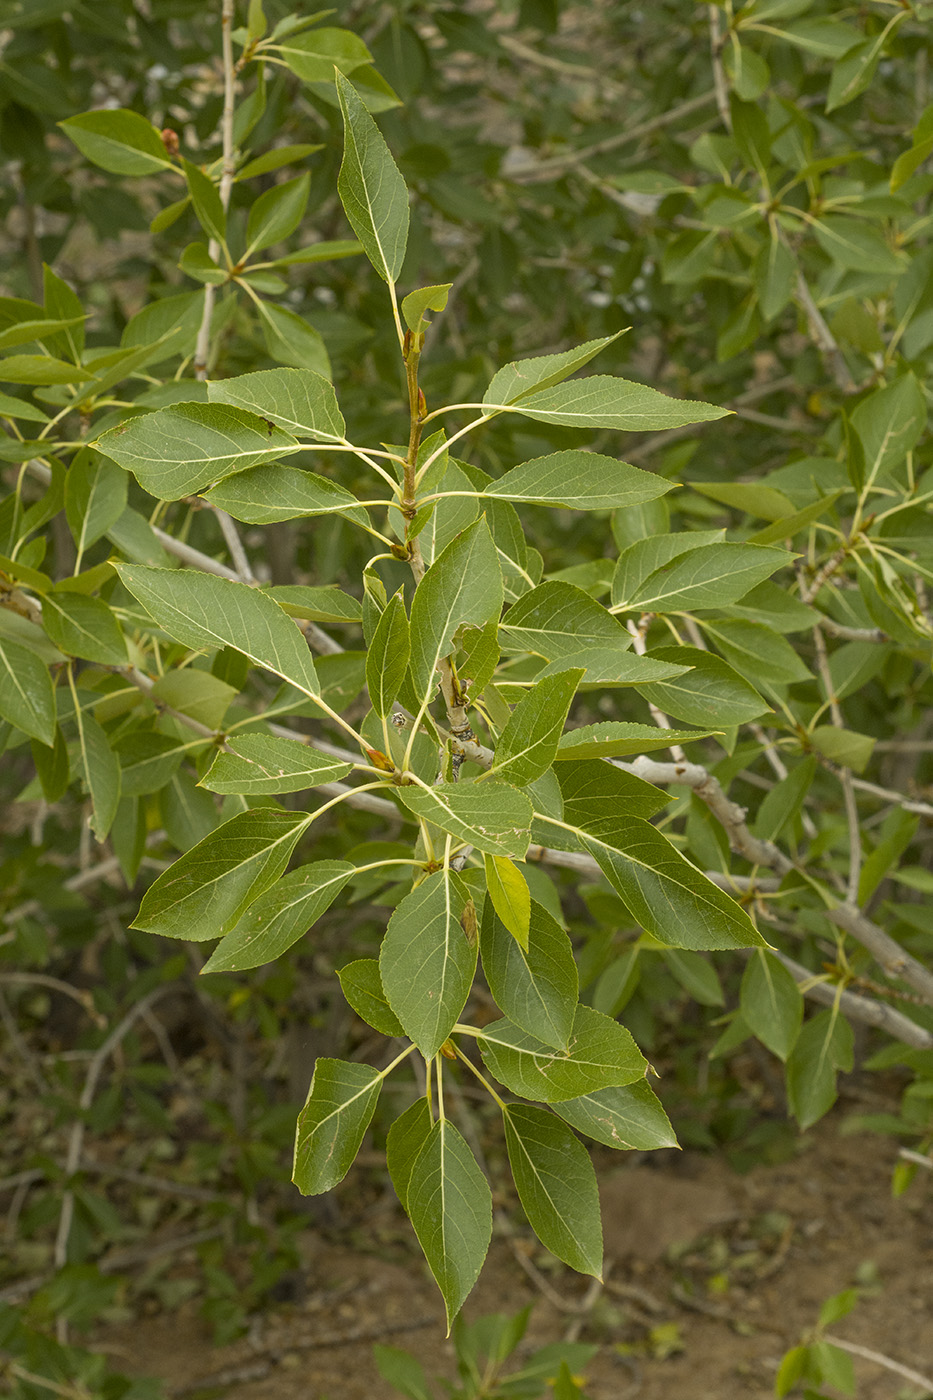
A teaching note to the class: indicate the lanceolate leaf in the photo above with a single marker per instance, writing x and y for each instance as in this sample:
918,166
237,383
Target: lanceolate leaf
667,895
557,620
361,984
83,626
629,1118
387,657
95,497
712,693
492,816
462,586
601,401
618,738
206,891
278,918
180,449
523,377
27,698
600,1053
263,495
534,986
600,798
509,896
265,763
824,1046
771,1003
556,1185
101,773
371,187
711,576
579,480
427,961
339,1107
297,400
450,1206
200,610
528,745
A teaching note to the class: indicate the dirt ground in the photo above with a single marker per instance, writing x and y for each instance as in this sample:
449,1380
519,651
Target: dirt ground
712,1277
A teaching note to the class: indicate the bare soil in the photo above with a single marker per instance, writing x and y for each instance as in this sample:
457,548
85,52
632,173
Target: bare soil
712,1276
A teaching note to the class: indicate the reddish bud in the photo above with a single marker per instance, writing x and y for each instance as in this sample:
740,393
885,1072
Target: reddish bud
169,140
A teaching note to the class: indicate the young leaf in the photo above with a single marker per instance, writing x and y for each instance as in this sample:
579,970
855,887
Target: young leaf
387,658
266,763
492,816
556,1185
291,340
424,299
427,961
629,1118
371,187
771,1003
362,986
263,495
280,916
824,1045
534,984
528,745
276,214
101,773
206,891
578,480
178,450
517,380
313,56
602,401
463,586
298,400
339,1108
509,896
200,610
118,140
667,895
27,697
599,1054
450,1206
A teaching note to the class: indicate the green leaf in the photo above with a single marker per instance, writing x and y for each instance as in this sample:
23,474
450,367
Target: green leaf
207,203
298,400
371,187
783,803
491,815
909,161
325,603
771,1003
424,299
509,896
323,251
857,246
312,57
889,424
200,610
751,496
178,450
265,763
556,1185
556,620
427,960
405,1141
756,650
361,984
52,766
101,773
43,330
450,1206
628,1118
517,380
528,745
602,401
280,916
61,301
199,694
578,480
27,697
843,746
275,158
148,760
534,984
462,586
708,577
196,262
276,214
95,497
696,975
118,140
337,1112
667,895
291,340
402,1371
599,798
17,408
618,738
41,369
826,38
710,694
206,891
83,626
387,658
262,495
599,1054
853,72
824,1045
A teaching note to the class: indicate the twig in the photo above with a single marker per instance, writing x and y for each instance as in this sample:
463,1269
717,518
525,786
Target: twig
230,533
720,86
918,1158
859,1008
203,344
825,340
844,774
41,979
915,1377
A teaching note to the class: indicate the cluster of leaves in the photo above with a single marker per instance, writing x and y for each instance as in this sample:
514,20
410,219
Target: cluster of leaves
146,685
